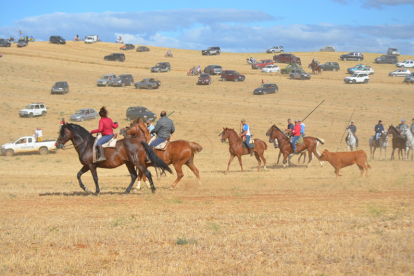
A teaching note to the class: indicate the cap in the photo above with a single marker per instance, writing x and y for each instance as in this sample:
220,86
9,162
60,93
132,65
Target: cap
379,121
352,122
299,120
402,120
243,120
291,120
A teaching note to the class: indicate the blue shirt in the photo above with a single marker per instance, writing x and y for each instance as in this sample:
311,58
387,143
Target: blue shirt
291,126
379,128
302,128
150,128
246,128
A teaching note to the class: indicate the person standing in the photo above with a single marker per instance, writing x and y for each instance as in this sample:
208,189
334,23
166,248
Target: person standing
39,134
353,129
36,132
247,135
164,128
379,128
106,127
296,136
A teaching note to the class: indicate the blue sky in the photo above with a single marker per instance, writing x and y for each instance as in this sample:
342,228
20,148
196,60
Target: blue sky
237,26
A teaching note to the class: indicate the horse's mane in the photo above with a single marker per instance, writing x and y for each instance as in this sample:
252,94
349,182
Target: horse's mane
77,129
280,131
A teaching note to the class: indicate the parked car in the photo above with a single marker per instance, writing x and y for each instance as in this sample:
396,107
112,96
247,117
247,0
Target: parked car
115,57
409,79
57,39
328,49
287,69
299,74
61,87
84,114
272,68
393,51
91,39
149,83
28,144
232,75
117,81
330,66
406,63
211,51
204,79
22,43
366,69
262,63
357,78
356,67
267,88
287,58
34,109
352,56
127,47
387,59
400,73
106,80
213,70
161,67
127,78
142,49
135,112
275,49
4,43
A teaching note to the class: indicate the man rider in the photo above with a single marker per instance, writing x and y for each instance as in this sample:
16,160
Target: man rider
353,129
402,125
290,125
379,128
246,133
302,127
296,136
169,52
150,126
163,129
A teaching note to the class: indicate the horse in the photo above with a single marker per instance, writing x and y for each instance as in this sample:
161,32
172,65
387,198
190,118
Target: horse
351,141
409,142
382,142
397,142
315,68
236,148
309,143
177,153
127,151
276,146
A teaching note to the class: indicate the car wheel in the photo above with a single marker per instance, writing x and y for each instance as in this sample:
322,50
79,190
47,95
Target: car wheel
353,81
159,71
43,113
209,82
291,76
208,53
277,60
168,69
137,87
334,69
67,90
106,84
302,77
81,119
236,80
394,75
223,79
344,59
96,117
30,115
218,53
264,93
43,151
9,153
402,66
281,51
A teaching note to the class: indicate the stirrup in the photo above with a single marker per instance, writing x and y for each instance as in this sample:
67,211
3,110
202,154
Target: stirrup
101,159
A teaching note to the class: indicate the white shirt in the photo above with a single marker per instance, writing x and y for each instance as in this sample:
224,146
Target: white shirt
39,133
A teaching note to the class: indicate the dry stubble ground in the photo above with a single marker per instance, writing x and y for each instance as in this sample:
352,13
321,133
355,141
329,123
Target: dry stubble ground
294,221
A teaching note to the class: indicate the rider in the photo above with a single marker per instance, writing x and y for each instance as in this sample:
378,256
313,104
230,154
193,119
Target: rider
296,136
379,128
169,53
402,125
302,128
412,126
150,126
246,133
163,129
105,127
120,39
290,126
353,129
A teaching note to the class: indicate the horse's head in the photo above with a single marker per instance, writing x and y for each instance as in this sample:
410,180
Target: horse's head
270,132
224,134
64,136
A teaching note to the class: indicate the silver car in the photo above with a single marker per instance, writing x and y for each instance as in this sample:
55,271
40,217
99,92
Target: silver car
106,80
400,73
275,49
409,78
84,114
393,51
149,83
328,49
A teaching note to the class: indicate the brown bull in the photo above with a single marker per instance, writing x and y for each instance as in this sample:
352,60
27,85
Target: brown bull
340,160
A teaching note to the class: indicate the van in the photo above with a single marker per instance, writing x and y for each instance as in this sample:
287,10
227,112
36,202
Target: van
387,59
91,39
57,39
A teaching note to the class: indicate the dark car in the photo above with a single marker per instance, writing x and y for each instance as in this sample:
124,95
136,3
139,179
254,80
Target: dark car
352,56
204,79
61,87
149,83
57,39
287,58
135,112
127,79
142,49
127,47
4,43
330,66
262,64
232,75
211,51
213,69
22,43
267,88
299,74
115,57
161,67
391,59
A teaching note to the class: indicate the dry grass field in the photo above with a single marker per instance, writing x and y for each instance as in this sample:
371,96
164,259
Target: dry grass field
284,221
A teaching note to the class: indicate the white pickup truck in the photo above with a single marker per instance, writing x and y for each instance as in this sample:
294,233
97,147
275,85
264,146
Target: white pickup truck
28,144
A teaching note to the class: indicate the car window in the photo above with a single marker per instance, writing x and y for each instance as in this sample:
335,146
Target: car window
42,106
80,112
30,140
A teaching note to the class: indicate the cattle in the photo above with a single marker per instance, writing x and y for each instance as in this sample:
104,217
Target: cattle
340,160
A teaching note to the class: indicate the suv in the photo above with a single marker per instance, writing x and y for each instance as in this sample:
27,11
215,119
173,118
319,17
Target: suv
262,63
161,67
204,79
357,77
211,51
387,59
328,49
299,74
115,57
148,83
330,66
106,80
142,49
4,43
127,47
393,51
286,58
57,39
22,43
275,49
232,75
61,87
127,79
409,79
34,109
352,56
135,112
213,69
267,88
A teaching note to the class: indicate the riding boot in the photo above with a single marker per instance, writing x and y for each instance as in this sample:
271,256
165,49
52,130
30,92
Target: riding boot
101,154
251,151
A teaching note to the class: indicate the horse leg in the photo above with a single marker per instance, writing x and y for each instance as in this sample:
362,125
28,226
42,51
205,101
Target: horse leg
194,169
133,173
240,162
256,154
264,160
280,153
285,156
228,166
310,157
95,179
82,171
142,168
179,169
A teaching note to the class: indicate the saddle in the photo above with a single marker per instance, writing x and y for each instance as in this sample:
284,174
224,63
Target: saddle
163,145
110,144
252,145
299,141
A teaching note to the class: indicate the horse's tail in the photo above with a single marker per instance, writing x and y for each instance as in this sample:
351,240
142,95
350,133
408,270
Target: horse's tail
322,141
155,160
195,147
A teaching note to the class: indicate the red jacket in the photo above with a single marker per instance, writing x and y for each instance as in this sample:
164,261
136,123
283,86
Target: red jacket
296,130
105,127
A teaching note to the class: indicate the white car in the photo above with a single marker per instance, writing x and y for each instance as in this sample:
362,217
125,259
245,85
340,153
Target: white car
406,63
91,39
400,73
270,69
28,144
275,49
367,70
34,109
357,78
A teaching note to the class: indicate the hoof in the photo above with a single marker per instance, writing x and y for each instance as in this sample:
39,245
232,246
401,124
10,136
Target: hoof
126,192
153,190
95,194
86,190
226,173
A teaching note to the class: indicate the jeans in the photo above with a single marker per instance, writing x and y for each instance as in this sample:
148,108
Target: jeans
104,139
247,140
157,141
377,136
294,139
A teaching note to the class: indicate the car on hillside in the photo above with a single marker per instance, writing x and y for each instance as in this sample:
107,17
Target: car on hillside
232,75
409,79
213,69
148,83
356,67
142,49
135,112
33,109
299,74
352,56
400,73
27,144
211,51
275,49
57,39
357,78
271,68
127,79
204,79
327,49
127,47
366,69
330,66
287,58
393,51
390,59
22,43
115,57
287,69
61,87
106,80
406,63
91,39
268,88
161,67
84,114
4,43
262,63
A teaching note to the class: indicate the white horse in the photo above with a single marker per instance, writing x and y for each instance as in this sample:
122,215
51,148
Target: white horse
351,141
409,142
383,144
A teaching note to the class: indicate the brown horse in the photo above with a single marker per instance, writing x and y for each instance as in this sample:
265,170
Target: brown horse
130,152
178,152
315,68
309,144
275,145
236,148
398,142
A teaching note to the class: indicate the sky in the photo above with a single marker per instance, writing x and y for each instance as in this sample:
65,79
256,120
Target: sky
235,26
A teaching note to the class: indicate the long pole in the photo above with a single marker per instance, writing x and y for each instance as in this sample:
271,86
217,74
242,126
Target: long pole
312,111
170,114
345,130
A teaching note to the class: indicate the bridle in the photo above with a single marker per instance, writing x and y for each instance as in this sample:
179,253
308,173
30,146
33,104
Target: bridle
224,132
271,136
73,146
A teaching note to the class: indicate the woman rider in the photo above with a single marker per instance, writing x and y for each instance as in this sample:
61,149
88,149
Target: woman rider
105,127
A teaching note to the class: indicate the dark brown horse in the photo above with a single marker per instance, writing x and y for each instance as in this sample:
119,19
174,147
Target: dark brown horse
130,152
310,144
236,148
315,68
177,153
398,142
